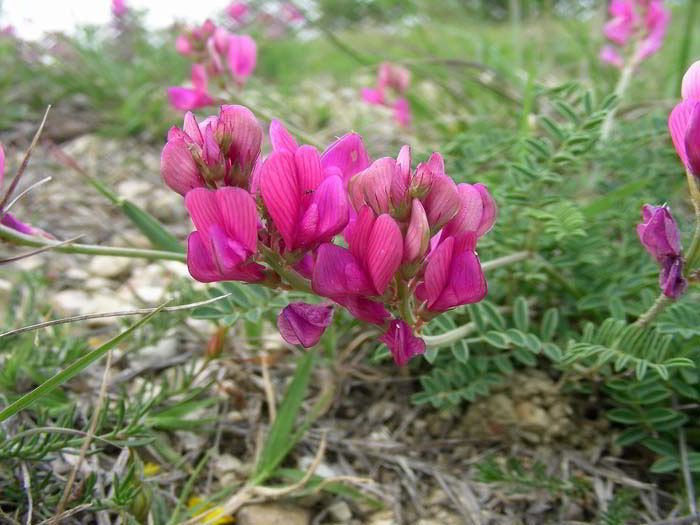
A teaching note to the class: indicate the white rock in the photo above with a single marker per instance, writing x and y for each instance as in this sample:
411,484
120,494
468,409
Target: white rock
98,284
5,290
68,302
340,511
107,266
133,188
77,274
272,514
102,304
163,350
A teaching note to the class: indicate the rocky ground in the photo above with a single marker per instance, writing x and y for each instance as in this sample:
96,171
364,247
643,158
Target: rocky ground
425,466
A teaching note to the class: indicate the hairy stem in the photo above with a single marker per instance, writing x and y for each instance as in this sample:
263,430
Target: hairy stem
294,278
506,260
622,85
15,237
647,317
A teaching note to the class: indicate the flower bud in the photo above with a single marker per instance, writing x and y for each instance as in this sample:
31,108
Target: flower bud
671,278
417,238
401,342
659,233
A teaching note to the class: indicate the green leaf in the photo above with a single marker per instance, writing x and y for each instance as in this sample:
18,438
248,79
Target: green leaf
550,320
521,314
492,314
461,351
552,351
497,339
503,364
477,317
278,442
524,356
207,312
431,354
662,447
631,436
624,415
72,370
665,464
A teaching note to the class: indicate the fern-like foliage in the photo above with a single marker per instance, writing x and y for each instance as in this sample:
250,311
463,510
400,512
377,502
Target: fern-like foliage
625,346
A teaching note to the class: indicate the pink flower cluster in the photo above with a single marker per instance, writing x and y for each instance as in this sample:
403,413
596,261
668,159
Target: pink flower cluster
644,20
119,8
410,233
212,49
397,78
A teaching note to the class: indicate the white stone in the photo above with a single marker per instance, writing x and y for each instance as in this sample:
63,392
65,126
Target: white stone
107,266
340,511
68,302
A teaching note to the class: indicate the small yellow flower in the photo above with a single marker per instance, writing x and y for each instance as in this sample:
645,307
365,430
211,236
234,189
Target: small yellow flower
151,468
214,516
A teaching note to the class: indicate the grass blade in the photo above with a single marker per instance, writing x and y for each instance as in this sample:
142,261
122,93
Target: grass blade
71,371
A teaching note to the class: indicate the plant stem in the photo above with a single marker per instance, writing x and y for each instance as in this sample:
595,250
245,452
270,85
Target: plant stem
405,305
694,250
661,302
506,260
620,89
452,336
16,237
294,278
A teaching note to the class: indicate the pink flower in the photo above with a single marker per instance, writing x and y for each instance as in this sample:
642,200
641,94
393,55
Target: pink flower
611,55
402,112
453,275
197,97
684,121
225,239
401,342
352,276
307,204
218,152
393,76
477,212
372,96
183,45
303,324
242,53
656,22
659,233
623,23
119,8
237,11
291,12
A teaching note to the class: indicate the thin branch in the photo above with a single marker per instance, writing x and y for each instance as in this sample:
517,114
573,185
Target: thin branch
108,314
269,389
25,161
15,237
25,191
39,250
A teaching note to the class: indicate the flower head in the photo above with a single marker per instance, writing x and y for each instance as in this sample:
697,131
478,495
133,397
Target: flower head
241,54
192,98
237,11
303,324
119,8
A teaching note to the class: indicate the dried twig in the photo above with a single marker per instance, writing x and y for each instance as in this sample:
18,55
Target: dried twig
37,251
25,161
27,482
88,439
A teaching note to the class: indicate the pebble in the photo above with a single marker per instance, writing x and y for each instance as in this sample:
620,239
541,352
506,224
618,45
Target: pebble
340,511
160,352
108,266
68,302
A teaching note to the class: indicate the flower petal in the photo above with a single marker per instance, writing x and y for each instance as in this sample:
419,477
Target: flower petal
442,202
363,308
401,342
678,124
309,172
348,154
692,141
384,251
281,138
338,273
178,168
690,87
437,271
302,323
327,215
417,238
239,214
471,209
466,283
244,134
280,191
488,217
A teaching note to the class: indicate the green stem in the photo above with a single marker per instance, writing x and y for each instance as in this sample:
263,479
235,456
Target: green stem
294,278
506,260
452,336
16,237
405,305
694,251
647,317
620,89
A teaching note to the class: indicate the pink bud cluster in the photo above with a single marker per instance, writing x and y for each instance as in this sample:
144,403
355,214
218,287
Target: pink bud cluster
643,20
410,233
213,50
397,78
